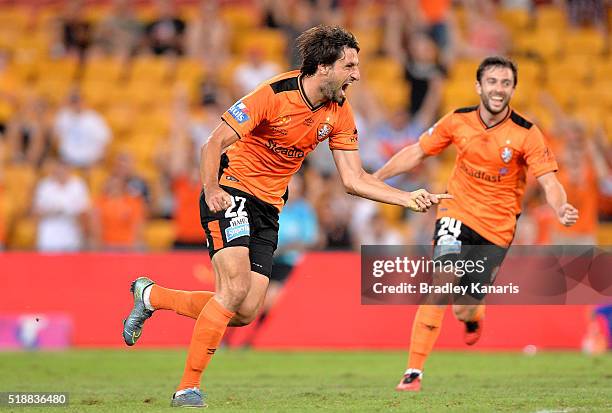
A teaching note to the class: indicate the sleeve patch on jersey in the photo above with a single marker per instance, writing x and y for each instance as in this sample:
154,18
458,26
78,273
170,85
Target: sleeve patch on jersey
239,111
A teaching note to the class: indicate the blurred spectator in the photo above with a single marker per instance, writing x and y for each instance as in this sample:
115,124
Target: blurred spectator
165,34
426,78
184,175
581,169
292,18
418,54
485,34
120,33
3,212
587,13
394,133
136,186
598,338
298,233
254,70
334,214
76,32
61,204
29,132
82,134
378,232
433,17
118,217
10,88
208,36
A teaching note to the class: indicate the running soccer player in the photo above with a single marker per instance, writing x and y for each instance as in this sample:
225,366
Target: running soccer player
495,145
245,169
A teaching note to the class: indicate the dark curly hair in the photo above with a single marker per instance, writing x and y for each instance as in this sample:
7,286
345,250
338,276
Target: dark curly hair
497,61
323,45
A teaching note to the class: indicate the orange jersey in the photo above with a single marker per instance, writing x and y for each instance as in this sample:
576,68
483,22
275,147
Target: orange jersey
488,180
278,127
120,219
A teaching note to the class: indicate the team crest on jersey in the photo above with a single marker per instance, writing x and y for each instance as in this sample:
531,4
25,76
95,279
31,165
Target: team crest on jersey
323,131
239,111
506,154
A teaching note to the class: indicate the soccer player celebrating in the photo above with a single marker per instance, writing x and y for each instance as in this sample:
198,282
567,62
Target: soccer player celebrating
495,145
246,166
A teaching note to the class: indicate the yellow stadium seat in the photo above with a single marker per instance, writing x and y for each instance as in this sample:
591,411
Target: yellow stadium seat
384,68
23,236
591,116
54,90
370,41
119,117
190,72
569,70
463,70
159,234
240,18
458,94
545,43
271,42
392,96
65,69
550,16
146,93
151,69
103,69
96,178
602,69
604,234
529,71
608,125
98,94
516,20
19,181
583,42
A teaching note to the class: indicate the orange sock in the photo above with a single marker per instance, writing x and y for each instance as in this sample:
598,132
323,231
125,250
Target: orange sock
207,335
425,331
187,303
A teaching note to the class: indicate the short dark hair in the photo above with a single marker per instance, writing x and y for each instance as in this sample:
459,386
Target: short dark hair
323,45
499,61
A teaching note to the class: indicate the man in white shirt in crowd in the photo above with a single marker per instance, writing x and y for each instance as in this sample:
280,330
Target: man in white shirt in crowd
61,204
82,134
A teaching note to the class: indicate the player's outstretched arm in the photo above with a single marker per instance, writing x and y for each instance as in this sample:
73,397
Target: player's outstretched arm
403,161
210,158
358,182
557,199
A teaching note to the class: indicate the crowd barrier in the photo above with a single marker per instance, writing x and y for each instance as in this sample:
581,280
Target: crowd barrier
320,307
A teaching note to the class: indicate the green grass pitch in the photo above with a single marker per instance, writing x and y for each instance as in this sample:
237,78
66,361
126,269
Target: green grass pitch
134,380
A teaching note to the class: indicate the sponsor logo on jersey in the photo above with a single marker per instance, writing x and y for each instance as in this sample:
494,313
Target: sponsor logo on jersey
475,173
292,152
506,154
239,111
323,131
308,121
276,131
239,227
231,178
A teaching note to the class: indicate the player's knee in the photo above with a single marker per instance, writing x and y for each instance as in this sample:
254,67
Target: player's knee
233,291
241,320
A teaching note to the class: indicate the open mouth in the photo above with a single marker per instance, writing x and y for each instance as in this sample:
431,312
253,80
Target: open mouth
345,87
